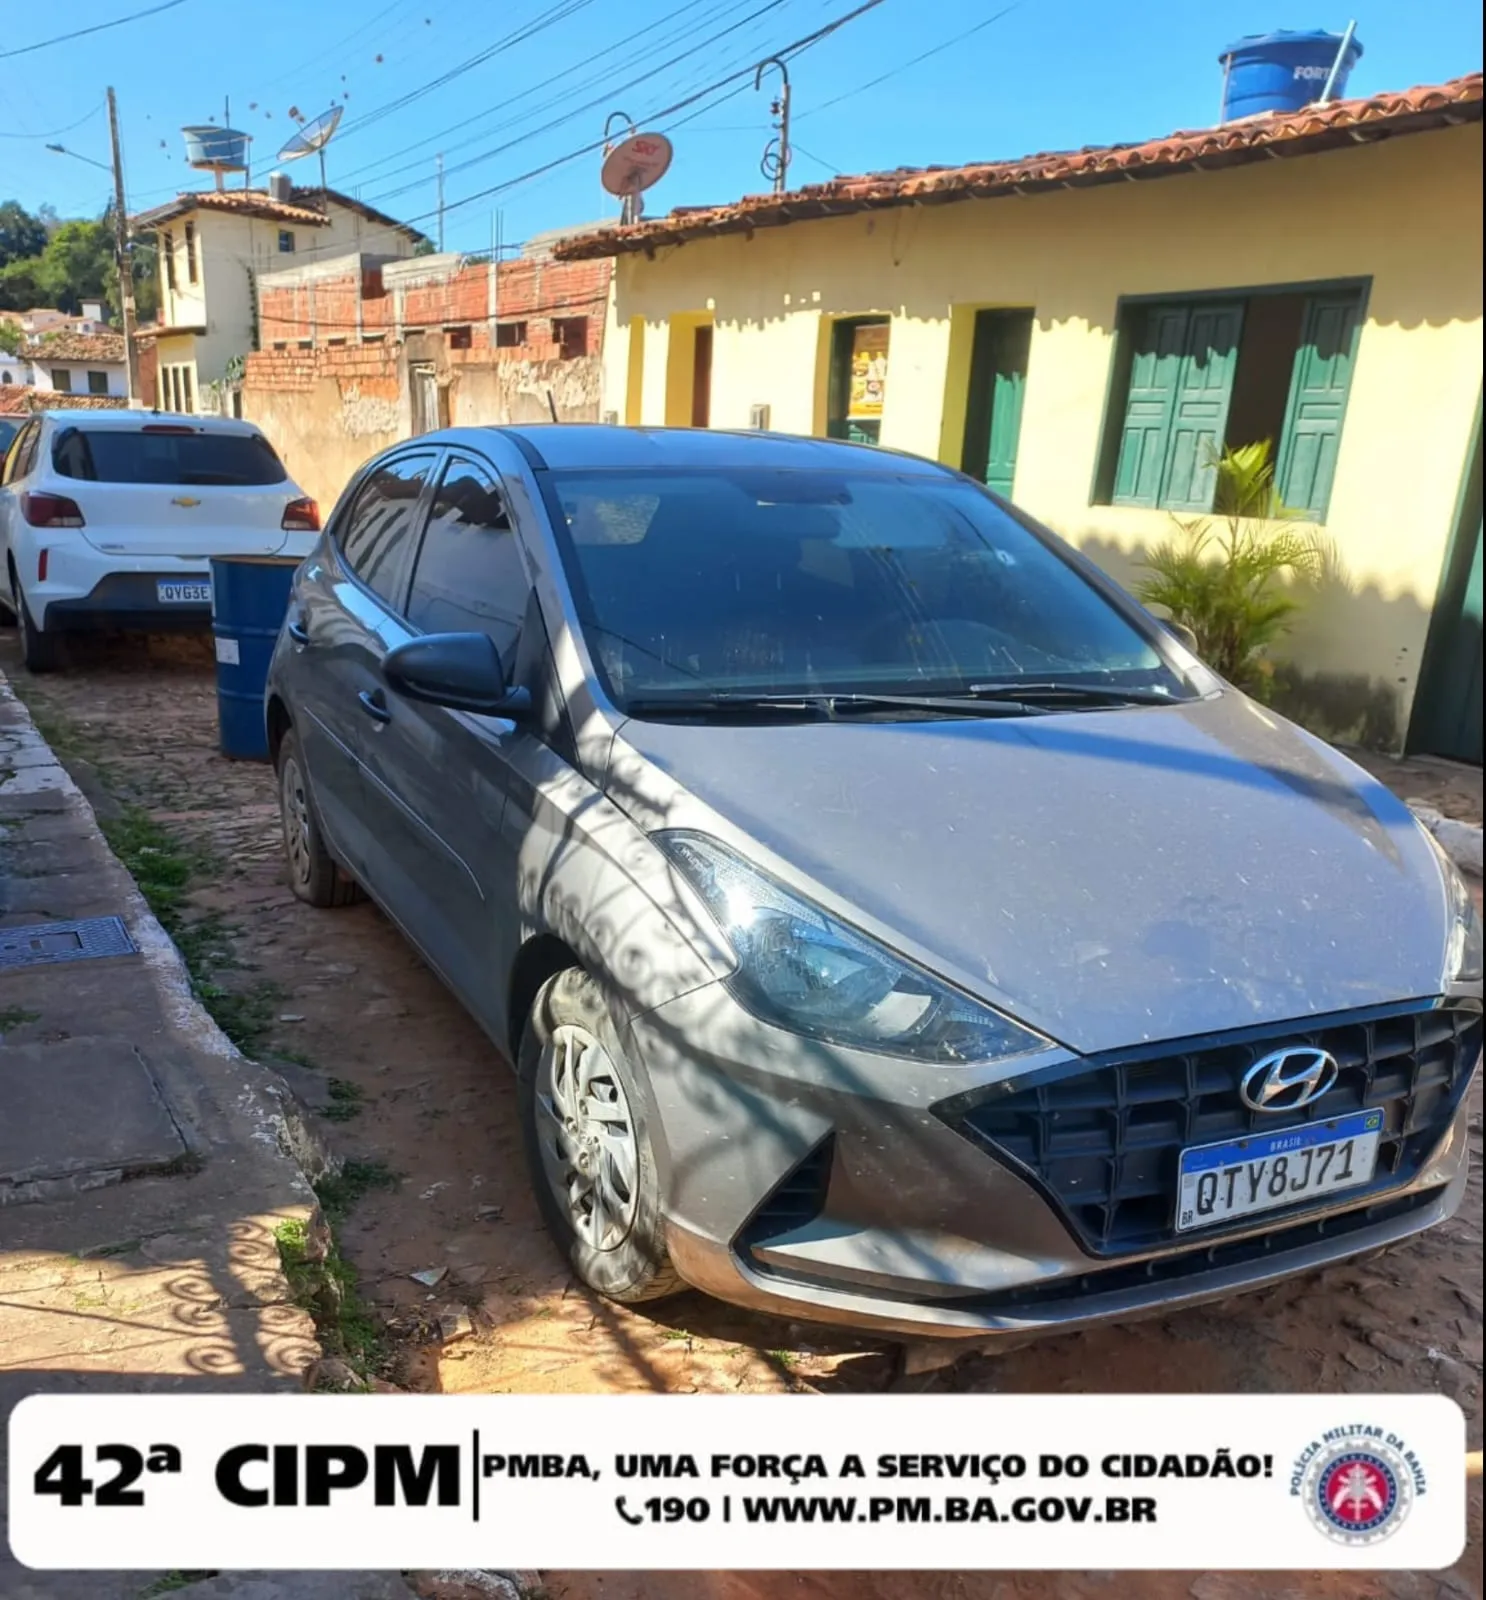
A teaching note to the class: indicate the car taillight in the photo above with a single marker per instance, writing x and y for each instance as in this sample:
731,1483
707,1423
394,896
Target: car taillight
301,516
51,511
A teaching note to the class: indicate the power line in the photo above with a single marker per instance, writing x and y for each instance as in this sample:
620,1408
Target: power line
98,27
523,94
54,133
539,24
607,97
862,88
746,73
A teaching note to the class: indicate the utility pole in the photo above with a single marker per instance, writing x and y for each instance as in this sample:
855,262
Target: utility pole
121,250
441,202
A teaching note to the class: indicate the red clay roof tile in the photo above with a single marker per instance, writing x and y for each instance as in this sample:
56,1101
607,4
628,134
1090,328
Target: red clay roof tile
1305,132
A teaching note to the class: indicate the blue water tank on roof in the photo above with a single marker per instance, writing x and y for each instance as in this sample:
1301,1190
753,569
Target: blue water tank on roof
1282,71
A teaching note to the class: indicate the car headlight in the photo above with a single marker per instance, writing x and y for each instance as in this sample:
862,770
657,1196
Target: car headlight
800,968
1463,957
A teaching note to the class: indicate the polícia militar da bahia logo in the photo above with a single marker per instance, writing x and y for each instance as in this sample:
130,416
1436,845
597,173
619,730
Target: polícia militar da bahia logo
1357,1483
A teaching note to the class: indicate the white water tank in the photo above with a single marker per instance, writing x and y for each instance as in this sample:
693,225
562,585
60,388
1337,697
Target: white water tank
280,186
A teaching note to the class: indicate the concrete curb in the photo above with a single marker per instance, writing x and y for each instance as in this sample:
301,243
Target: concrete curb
33,768
1459,840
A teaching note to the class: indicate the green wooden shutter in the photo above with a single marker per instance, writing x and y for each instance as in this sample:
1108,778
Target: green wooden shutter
1200,412
1318,400
1159,337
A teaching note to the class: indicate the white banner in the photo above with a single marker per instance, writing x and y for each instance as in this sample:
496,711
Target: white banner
875,1482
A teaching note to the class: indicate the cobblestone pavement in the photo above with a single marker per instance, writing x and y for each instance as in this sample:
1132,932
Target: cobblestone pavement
432,1099
1454,790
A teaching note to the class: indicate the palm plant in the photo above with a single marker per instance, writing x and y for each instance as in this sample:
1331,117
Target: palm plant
1233,582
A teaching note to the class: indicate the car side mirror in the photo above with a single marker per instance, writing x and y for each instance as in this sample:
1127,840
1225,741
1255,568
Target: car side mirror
461,671
1181,632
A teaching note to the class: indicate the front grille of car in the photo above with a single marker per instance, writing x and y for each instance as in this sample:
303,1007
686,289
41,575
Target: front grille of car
1177,1267
1101,1139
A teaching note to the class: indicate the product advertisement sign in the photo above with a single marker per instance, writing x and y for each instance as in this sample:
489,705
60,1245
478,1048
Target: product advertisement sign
649,1482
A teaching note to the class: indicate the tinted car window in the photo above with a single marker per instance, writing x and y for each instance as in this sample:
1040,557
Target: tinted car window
470,576
7,433
375,537
22,452
808,582
124,455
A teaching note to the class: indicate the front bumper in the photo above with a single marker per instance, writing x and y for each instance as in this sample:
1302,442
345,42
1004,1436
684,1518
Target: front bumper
835,1186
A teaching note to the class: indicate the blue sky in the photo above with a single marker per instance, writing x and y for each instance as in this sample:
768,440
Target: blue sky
1050,74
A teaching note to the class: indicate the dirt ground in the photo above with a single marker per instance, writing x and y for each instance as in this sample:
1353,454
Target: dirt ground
423,1093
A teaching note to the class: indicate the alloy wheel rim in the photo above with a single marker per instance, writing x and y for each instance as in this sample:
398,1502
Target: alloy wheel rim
586,1134
296,812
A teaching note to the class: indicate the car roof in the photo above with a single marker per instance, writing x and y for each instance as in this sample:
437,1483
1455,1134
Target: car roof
118,419
589,446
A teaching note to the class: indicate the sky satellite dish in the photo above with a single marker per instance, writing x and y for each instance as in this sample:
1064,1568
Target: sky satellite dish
313,136
632,167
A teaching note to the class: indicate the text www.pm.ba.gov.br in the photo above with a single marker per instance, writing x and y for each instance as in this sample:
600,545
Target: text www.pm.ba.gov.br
859,1482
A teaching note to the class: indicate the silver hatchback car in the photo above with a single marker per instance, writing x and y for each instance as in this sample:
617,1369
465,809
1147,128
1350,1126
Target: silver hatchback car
890,921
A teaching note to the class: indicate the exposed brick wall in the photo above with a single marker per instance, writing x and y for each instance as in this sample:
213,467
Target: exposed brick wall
536,291
329,386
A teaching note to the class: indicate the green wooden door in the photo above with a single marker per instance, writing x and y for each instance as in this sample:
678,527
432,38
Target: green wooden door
1447,705
1318,399
998,380
1199,414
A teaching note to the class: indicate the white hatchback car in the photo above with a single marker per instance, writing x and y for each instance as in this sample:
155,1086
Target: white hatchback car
108,519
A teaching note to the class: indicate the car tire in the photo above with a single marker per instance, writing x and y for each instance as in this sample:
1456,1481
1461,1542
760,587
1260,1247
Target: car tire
40,650
588,1144
314,875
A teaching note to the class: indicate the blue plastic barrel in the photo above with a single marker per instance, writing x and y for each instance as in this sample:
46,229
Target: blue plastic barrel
250,595
1282,71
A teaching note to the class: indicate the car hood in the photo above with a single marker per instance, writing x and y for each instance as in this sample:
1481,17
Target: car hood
1109,877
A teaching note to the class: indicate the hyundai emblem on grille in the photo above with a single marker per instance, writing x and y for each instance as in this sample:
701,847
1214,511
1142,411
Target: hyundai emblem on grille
1286,1080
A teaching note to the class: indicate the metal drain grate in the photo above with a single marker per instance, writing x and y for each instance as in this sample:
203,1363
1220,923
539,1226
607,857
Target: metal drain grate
45,942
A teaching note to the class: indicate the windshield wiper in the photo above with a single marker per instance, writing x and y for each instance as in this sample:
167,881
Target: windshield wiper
1077,693
830,707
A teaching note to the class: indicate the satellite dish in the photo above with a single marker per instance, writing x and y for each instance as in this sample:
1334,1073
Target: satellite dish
313,136
632,167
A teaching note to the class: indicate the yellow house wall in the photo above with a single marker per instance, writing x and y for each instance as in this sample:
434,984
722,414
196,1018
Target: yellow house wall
1405,214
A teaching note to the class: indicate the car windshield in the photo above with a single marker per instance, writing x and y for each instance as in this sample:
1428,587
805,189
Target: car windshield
166,455
805,582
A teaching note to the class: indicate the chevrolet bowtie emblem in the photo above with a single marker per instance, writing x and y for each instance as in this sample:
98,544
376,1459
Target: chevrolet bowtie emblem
184,500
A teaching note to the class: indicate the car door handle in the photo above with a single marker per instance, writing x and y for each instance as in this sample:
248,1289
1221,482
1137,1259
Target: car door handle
297,631
374,705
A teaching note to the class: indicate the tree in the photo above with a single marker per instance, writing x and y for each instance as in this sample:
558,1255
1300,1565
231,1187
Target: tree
10,338
21,234
71,262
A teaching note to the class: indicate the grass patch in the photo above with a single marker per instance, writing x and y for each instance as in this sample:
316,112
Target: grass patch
338,1195
164,869
346,1100
64,736
347,1327
15,1017
173,1581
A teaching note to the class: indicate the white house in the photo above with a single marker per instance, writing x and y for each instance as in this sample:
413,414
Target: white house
215,244
15,370
78,363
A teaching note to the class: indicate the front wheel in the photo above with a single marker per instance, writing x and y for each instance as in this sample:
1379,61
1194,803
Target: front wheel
588,1146
313,874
